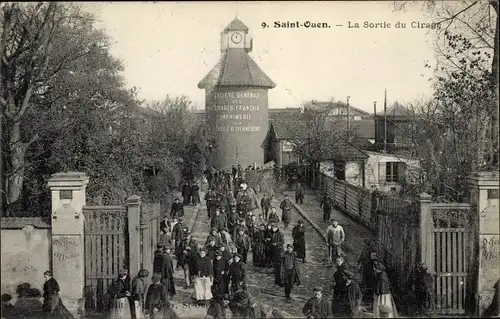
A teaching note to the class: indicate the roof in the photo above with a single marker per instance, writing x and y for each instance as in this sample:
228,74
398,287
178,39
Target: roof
286,129
339,105
363,128
236,68
346,151
21,222
396,110
236,25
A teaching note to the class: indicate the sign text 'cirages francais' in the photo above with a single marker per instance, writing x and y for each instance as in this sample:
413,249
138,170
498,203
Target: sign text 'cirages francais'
244,102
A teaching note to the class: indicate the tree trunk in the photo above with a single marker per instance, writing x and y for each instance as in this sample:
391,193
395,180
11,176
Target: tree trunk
16,163
494,80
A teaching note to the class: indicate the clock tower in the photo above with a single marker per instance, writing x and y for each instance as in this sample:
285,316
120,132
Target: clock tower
236,101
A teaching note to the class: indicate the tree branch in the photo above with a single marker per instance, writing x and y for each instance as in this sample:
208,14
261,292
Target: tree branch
459,12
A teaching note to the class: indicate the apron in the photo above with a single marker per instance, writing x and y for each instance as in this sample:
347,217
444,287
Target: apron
202,288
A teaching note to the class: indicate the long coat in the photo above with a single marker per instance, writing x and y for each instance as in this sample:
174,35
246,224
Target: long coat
317,308
52,303
299,241
259,250
277,241
349,301
157,298
286,207
139,288
168,273
296,270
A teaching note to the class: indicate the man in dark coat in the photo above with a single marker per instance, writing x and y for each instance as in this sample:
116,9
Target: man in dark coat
424,289
232,220
183,263
299,194
210,200
259,247
221,272
177,209
240,225
211,248
265,205
168,271
327,205
338,276
268,234
218,220
158,259
277,241
242,242
186,193
290,272
317,306
165,225
177,234
286,208
238,274
299,240
348,302
156,298
365,264
240,304
218,304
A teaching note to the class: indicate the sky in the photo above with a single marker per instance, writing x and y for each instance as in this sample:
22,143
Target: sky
168,47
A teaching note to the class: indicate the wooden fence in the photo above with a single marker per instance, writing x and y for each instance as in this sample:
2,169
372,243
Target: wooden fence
411,231
117,237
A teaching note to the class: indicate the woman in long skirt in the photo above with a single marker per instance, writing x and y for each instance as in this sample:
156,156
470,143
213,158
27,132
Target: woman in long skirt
139,286
120,293
203,278
52,304
382,292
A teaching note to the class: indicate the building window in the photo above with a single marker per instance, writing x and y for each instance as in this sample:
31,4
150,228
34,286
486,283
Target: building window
391,172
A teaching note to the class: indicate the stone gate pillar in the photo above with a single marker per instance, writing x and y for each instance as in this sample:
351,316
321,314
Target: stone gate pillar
484,194
68,255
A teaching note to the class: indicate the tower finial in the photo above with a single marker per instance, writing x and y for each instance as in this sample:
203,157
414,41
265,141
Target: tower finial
236,15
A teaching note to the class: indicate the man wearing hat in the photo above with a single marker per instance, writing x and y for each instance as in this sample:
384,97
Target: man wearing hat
242,242
177,233
232,219
240,225
183,262
348,303
210,199
277,241
218,220
156,298
299,240
177,208
290,272
211,248
259,247
326,204
238,274
168,271
158,259
286,207
221,271
317,306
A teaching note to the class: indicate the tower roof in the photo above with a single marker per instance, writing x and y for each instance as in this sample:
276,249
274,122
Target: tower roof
236,68
236,25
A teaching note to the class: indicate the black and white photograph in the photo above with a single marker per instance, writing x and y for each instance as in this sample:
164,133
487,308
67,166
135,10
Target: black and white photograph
249,159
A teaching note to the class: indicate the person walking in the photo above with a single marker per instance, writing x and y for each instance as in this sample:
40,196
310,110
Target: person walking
177,209
348,302
277,241
238,274
299,240
265,204
335,237
203,278
327,205
156,299
183,263
317,306
382,292
53,306
195,194
120,291
299,194
139,289
424,289
286,207
186,194
168,271
290,272
259,250
242,242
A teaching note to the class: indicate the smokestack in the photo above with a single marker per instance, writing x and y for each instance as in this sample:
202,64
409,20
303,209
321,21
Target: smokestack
385,120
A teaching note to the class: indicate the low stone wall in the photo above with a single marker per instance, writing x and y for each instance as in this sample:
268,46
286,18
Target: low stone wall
26,253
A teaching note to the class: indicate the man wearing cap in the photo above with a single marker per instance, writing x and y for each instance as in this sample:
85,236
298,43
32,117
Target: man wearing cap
211,248
327,205
299,240
158,259
210,202
290,272
348,304
317,306
277,241
237,274
177,233
286,208
335,237
203,278
242,242
156,298
183,263
252,227
259,244
265,204
232,219
218,220
214,234
424,288
299,194
177,209
240,225
221,271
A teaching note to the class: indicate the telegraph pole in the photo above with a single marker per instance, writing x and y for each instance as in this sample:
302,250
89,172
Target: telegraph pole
348,120
385,121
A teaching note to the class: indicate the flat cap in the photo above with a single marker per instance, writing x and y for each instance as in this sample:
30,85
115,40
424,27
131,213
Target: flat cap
156,277
237,255
348,274
222,245
214,229
203,249
289,246
218,253
318,288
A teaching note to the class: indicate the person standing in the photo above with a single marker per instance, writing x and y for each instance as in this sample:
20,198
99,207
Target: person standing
327,205
317,306
186,193
203,278
265,205
221,271
183,263
286,207
210,202
382,292
218,220
277,241
338,276
168,271
211,248
365,265
259,244
273,216
139,287
195,193
290,272
52,304
348,304
120,293
156,299
177,233
237,274
424,289
242,242
335,237
299,240
299,194
166,225
177,209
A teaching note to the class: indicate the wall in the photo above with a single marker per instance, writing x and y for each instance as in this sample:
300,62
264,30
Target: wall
239,119
353,174
24,258
374,173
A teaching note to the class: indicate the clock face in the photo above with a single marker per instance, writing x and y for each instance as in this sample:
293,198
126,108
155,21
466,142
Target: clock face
236,37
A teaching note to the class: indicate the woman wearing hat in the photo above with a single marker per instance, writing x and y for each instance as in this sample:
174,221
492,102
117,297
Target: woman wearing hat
203,278
139,286
120,293
382,292
52,303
